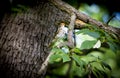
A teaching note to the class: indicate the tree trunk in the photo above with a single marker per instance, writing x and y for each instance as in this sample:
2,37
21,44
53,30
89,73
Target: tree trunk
25,39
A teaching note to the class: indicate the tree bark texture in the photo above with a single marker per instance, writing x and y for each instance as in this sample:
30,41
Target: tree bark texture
25,39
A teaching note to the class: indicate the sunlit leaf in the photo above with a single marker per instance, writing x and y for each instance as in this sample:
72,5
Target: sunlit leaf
82,38
88,44
76,50
115,22
65,49
98,44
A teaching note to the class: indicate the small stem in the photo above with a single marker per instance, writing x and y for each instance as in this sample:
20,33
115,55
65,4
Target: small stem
110,19
74,38
69,68
90,70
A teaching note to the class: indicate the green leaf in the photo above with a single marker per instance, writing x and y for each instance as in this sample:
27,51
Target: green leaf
113,46
99,73
105,65
59,53
87,39
76,50
19,8
65,57
78,60
16,10
65,49
98,44
77,70
22,7
89,32
54,58
88,44
81,31
58,50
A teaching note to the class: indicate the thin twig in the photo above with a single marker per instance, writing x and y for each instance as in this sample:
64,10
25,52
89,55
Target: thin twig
74,36
45,64
110,19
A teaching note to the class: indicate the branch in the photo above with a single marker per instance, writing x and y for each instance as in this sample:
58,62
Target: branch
69,9
70,30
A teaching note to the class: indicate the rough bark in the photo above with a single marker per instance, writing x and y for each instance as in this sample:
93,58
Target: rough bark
25,39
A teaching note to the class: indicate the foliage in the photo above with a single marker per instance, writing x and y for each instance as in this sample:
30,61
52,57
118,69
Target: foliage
19,8
93,56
